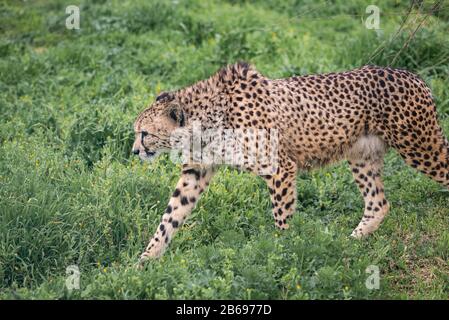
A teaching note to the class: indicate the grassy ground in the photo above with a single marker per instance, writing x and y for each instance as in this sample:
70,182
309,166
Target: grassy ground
70,193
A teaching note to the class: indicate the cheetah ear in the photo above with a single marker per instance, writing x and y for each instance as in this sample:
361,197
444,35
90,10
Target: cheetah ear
176,113
165,97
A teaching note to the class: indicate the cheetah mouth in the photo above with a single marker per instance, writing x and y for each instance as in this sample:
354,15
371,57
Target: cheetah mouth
147,155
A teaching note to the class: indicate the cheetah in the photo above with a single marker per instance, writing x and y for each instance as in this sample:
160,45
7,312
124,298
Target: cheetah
355,115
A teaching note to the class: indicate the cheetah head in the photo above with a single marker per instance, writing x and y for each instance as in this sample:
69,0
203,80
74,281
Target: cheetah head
154,126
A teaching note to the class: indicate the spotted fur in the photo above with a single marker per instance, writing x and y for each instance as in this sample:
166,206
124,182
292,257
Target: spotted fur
355,115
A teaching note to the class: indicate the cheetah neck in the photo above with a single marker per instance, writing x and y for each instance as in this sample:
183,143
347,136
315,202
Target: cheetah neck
207,100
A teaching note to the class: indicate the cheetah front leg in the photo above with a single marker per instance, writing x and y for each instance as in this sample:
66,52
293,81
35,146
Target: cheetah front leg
282,187
188,190
367,175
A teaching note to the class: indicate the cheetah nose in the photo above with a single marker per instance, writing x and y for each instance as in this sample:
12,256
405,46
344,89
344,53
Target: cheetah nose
136,151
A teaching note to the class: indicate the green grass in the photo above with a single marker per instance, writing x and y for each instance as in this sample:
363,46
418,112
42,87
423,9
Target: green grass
70,192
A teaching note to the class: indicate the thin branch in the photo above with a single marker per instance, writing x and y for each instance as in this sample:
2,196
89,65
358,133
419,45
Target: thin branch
382,46
412,35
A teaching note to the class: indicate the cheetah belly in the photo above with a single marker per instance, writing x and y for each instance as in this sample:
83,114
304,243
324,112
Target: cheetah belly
313,148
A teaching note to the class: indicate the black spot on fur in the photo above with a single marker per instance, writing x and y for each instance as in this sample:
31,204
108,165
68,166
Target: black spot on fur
194,172
184,201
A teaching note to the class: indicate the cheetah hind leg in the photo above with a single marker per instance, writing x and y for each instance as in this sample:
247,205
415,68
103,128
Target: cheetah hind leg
366,162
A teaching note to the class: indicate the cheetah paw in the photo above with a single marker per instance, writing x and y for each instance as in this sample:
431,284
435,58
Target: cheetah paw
152,254
357,233
364,230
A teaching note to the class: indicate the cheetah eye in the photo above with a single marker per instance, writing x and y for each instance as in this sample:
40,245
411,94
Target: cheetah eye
144,134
